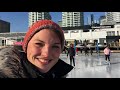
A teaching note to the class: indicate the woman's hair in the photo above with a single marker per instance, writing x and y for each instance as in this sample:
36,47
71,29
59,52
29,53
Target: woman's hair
40,25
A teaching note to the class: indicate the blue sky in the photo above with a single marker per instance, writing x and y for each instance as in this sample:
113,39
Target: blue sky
19,20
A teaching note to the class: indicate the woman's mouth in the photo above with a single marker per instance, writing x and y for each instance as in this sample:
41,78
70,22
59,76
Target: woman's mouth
44,61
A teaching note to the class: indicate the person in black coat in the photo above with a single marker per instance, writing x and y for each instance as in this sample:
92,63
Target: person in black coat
86,50
42,46
71,52
91,50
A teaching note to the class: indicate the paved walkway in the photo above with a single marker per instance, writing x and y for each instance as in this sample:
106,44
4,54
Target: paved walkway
94,66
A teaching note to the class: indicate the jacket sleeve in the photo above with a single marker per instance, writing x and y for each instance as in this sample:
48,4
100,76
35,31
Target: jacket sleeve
9,63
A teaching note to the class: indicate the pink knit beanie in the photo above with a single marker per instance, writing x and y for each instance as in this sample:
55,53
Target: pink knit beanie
39,25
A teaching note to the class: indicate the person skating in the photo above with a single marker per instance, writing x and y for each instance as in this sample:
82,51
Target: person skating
71,52
107,52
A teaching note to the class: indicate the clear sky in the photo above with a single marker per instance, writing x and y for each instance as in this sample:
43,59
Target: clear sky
19,20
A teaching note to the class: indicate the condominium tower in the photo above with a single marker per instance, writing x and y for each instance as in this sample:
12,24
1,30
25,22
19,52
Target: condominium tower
72,19
113,17
35,16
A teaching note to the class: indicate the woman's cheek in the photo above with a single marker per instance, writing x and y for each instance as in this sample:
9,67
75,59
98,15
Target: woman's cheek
57,53
35,50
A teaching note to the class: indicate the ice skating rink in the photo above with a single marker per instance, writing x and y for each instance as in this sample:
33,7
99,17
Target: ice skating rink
94,66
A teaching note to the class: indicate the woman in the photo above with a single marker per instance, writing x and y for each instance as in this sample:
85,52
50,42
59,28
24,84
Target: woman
42,46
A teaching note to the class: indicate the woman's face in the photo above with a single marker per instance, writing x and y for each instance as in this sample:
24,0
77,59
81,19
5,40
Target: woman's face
44,50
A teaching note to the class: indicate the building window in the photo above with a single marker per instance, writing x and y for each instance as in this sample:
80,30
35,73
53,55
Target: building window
65,31
117,33
111,33
108,33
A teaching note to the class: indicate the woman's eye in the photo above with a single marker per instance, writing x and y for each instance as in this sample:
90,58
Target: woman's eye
55,46
39,44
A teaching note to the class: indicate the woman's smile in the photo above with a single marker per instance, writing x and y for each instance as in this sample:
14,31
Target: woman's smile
44,61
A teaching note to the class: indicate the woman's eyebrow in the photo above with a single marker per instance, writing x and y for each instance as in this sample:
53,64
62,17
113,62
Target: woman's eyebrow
40,41
44,42
56,43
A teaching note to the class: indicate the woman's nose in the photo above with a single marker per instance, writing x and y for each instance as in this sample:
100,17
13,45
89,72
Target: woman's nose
46,51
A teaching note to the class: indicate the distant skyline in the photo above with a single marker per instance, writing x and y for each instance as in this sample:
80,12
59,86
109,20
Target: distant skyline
56,16
19,20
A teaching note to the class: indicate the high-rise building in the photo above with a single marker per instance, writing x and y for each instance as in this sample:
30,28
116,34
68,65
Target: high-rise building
92,19
88,20
102,20
109,16
72,19
35,16
113,17
60,23
4,26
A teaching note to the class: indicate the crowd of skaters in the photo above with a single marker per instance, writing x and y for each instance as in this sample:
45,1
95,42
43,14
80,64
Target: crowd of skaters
86,50
73,51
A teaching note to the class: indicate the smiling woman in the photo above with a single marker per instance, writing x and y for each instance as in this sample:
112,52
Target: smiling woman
42,46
